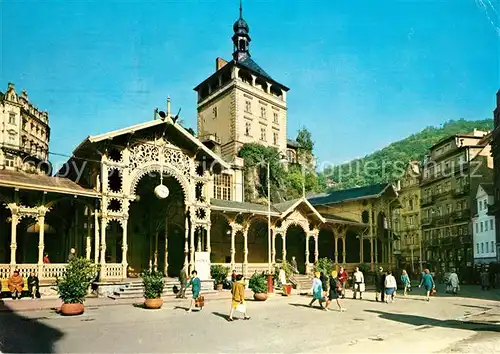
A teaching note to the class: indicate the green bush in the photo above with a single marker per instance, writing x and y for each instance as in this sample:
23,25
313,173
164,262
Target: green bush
324,265
365,268
258,283
72,287
153,284
218,273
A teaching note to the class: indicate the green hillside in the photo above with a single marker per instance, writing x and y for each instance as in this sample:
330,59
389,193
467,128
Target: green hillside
388,163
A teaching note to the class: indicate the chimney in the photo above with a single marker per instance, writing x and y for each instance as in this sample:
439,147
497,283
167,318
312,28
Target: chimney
219,63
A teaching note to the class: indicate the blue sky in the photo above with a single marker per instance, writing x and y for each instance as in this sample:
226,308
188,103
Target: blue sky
362,73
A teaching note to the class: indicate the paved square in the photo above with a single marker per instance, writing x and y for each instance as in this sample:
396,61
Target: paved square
281,324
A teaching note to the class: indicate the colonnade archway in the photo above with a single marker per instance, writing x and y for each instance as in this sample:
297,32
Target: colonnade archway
151,224
296,246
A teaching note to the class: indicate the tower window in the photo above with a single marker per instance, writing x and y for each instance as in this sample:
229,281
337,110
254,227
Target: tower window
12,118
248,128
263,112
214,110
263,134
248,106
275,117
275,138
242,44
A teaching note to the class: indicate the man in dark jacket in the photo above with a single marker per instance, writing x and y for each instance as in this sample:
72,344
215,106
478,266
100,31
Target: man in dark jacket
380,284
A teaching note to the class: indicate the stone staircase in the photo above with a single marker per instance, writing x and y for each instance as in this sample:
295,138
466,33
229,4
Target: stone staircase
135,289
302,283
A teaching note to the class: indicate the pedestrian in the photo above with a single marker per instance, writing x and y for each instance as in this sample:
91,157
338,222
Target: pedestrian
390,286
453,282
72,254
485,279
380,284
183,282
428,284
238,298
405,280
46,259
195,283
359,283
293,263
334,291
33,286
343,277
324,282
317,290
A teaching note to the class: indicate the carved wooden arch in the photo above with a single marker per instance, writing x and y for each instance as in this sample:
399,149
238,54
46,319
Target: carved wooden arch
303,224
248,222
153,166
220,215
83,201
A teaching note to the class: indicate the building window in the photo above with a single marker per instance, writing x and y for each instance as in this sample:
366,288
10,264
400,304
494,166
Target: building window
263,134
222,187
477,248
487,247
482,247
214,110
12,118
275,138
275,117
410,204
480,206
290,156
248,106
481,226
263,112
485,204
248,128
491,224
477,228
492,247
485,226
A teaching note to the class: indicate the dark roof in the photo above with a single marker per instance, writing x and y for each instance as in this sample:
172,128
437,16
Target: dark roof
284,206
488,188
23,180
253,66
371,191
336,218
241,206
292,143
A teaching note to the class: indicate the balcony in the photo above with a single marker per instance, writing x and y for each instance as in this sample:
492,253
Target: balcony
461,215
427,200
461,191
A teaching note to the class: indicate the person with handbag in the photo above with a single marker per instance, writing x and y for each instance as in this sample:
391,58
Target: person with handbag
238,298
359,283
428,283
195,283
317,291
334,291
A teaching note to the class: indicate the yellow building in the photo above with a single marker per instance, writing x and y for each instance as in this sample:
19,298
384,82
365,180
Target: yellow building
406,220
240,103
451,175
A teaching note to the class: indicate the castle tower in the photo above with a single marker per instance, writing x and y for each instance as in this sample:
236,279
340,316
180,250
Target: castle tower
240,103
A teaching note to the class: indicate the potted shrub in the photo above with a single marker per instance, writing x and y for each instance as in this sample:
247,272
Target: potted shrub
73,286
153,289
218,273
258,284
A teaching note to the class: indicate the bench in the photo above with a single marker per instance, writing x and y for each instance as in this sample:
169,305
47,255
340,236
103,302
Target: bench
4,286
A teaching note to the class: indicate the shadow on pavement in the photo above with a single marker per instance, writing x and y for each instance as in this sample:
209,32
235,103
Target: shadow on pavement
307,306
432,322
221,315
19,334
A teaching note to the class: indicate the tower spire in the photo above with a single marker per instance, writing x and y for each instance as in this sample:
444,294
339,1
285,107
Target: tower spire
241,38
241,9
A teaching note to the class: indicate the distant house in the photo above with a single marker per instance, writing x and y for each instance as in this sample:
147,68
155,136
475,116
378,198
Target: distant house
484,226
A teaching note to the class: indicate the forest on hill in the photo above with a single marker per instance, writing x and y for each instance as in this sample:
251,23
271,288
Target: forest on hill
387,164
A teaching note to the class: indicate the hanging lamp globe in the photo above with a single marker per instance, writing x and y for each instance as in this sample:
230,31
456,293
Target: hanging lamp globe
161,191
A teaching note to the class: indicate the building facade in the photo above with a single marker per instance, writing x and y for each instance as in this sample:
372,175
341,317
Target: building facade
483,226
25,134
451,175
406,220
495,149
240,103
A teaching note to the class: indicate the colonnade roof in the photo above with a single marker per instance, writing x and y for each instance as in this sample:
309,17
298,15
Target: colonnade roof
360,193
44,183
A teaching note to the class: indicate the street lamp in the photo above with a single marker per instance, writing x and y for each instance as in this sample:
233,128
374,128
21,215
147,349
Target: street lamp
269,251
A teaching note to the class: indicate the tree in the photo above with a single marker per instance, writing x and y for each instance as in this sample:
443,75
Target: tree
304,139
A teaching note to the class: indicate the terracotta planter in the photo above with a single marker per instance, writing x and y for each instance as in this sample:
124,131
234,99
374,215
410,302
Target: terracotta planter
153,304
72,309
219,287
260,296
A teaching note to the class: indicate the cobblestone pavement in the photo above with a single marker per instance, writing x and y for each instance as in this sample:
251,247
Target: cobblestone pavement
281,324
